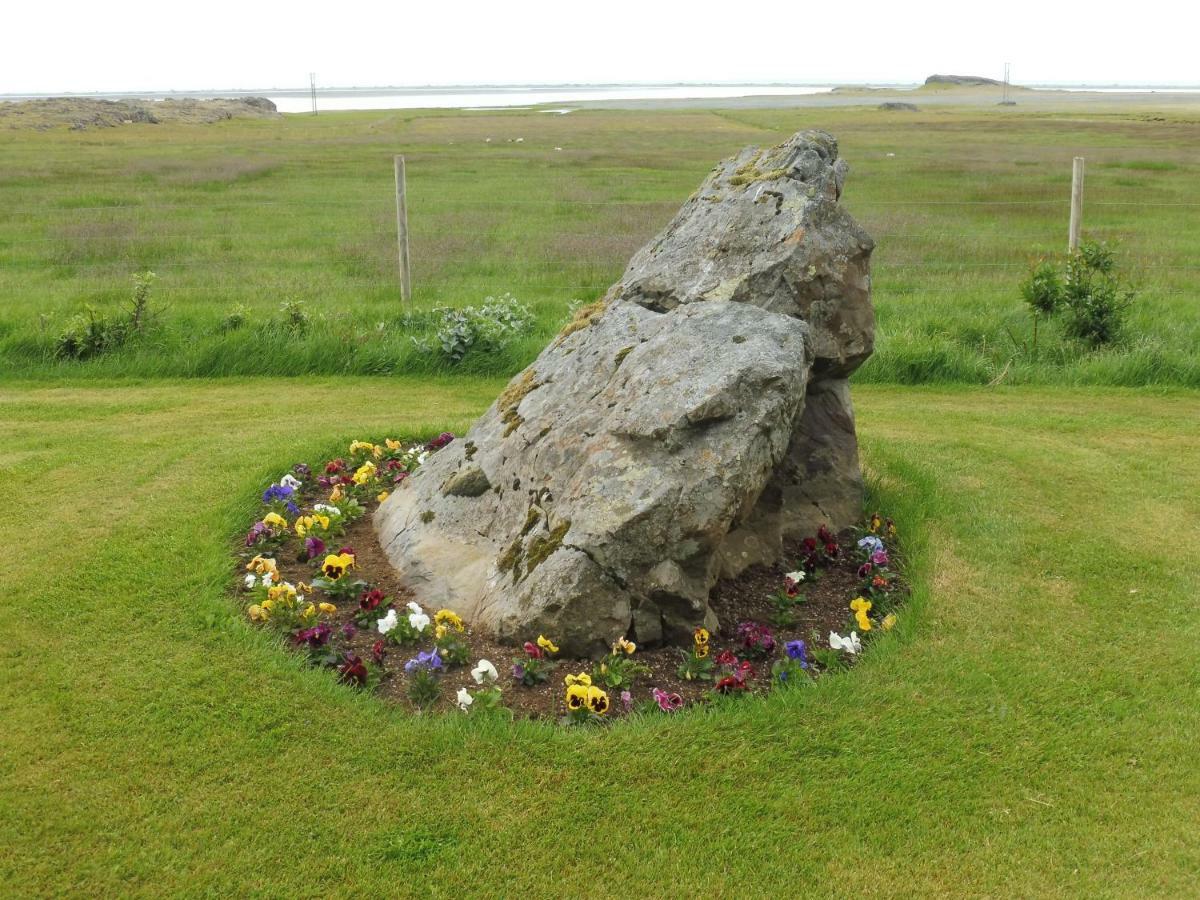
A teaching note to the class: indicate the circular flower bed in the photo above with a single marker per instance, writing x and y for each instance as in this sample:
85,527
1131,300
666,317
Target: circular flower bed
311,569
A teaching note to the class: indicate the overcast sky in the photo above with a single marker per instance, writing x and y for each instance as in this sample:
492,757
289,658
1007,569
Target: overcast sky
133,45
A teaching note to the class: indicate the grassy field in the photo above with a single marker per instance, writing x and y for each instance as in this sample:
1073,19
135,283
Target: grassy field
257,212
1029,728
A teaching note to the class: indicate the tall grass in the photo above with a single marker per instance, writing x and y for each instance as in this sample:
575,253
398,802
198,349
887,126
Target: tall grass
258,212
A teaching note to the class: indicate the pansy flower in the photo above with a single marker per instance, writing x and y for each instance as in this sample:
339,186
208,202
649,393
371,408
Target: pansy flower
335,565
666,702
597,700
798,651
484,672
440,441
726,658
387,623
850,643
275,520
577,695
353,670
371,599
464,699
870,544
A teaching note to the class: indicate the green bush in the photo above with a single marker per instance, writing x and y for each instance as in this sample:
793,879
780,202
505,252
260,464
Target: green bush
91,333
1090,295
489,327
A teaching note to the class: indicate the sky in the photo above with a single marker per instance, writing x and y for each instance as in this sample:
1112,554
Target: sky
134,45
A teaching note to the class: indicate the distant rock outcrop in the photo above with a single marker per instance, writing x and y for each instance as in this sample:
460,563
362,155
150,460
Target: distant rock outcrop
962,80
898,106
678,430
81,113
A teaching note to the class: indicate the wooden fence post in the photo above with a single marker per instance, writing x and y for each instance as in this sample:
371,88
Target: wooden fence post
402,232
1076,204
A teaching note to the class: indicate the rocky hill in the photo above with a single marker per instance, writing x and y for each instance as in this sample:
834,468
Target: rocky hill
80,113
961,80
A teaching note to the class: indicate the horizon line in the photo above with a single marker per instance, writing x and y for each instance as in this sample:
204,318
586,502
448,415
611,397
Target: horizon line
515,85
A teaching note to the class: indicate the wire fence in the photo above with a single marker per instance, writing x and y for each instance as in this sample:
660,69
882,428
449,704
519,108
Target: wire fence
110,238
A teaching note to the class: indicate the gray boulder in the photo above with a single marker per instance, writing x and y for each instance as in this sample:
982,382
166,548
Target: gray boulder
677,430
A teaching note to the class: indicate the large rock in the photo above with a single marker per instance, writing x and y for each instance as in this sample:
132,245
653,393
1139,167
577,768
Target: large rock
679,429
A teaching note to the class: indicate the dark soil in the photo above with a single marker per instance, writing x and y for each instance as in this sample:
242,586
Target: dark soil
749,597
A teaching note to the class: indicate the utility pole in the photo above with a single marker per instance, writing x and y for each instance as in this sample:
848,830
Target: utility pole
312,89
1005,101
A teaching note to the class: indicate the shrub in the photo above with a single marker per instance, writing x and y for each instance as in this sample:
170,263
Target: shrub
92,334
295,317
235,318
488,327
1090,295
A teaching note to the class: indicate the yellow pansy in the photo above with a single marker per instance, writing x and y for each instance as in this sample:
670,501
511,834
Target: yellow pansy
328,608
624,646
597,701
864,623
261,565
861,604
355,446
337,494
309,612
258,614
302,524
889,621
449,619
439,632
392,445
381,496
275,520
364,473
577,695
284,592
546,644
335,565
268,605
582,678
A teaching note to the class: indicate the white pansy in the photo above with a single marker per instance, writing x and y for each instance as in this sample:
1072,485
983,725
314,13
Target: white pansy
464,699
249,581
388,622
418,620
484,672
795,577
327,509
414,607
267,578
850,644
291,481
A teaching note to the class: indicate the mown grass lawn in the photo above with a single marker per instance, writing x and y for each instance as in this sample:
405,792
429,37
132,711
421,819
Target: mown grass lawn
1029,728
